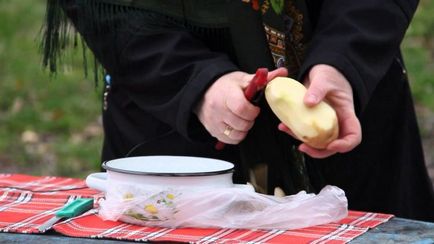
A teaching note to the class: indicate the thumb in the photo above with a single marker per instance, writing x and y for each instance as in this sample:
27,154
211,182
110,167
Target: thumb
315,94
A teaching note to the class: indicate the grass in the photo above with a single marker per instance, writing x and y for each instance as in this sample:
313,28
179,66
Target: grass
418,51
51,126
42,117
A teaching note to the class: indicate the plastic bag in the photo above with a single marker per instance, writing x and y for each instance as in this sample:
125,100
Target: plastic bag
222,208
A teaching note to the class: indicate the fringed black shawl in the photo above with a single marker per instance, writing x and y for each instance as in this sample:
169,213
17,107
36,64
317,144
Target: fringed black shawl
278,26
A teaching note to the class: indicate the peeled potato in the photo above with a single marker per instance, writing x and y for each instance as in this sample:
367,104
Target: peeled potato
316,126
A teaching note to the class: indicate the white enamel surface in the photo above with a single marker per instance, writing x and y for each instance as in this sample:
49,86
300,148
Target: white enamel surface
164,172
169,165
101,181
97,181
191,182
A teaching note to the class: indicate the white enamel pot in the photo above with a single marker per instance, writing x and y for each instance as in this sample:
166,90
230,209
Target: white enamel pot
155,172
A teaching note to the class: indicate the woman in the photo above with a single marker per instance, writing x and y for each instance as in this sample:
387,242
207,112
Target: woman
178,70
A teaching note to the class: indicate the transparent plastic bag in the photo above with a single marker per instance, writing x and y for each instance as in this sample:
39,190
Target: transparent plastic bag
222,208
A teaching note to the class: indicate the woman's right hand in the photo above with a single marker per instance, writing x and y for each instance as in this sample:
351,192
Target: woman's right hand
225,112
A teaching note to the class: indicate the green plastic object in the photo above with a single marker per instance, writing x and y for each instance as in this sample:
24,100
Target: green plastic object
75,208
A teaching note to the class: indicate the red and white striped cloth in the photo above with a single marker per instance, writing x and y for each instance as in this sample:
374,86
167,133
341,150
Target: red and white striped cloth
28,201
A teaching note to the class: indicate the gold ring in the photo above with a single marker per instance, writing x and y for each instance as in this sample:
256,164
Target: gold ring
228,130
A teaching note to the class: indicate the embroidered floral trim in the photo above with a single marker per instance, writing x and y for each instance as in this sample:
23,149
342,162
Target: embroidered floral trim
286,46
296,32
277,6
276,42
255,3
265,6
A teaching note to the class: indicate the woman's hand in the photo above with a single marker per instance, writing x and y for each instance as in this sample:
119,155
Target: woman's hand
324,82
224,110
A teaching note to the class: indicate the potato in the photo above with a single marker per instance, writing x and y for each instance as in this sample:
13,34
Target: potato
316,126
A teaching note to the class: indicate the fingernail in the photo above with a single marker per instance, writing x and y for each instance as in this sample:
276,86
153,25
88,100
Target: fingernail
311,98
300,148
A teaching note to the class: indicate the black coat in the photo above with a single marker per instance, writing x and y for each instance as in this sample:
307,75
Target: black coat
161,66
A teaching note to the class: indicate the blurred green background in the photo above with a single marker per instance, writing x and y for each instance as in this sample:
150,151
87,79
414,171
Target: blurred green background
47,125
51,126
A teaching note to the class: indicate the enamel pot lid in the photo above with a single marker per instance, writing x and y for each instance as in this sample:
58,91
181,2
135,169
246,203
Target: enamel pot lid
169,166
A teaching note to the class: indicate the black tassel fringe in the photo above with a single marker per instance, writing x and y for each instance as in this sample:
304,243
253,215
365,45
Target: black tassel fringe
59,34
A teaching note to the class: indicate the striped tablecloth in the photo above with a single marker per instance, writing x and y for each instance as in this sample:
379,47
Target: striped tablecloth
28,201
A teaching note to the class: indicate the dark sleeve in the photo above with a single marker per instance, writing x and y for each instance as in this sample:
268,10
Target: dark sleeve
166,73
359,38
163,67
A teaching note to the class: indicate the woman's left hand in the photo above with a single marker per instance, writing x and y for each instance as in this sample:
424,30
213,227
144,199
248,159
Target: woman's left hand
325,82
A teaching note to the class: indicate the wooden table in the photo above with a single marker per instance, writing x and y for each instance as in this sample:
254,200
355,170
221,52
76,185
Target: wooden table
397,230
